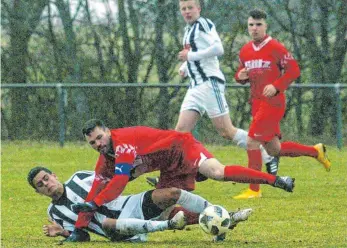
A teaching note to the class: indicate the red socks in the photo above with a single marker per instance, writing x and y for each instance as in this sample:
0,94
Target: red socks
292,149
254,162
242,174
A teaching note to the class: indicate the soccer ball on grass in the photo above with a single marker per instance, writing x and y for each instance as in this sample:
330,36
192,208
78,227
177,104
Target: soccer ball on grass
214,220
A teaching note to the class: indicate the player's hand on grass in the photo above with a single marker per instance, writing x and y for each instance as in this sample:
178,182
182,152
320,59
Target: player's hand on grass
78,235
53,229
84,207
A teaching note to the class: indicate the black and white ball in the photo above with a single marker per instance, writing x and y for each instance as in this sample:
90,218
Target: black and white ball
214,220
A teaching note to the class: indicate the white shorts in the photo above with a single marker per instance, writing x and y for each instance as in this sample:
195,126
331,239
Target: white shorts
133,209
207,97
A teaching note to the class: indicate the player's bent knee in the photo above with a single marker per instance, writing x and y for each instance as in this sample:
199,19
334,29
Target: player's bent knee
109,225
226,135
174,193
182,129
218,174
212,169
215,173
273,152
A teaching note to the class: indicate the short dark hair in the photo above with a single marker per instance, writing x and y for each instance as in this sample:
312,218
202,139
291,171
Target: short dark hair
34,171
90,125
258,14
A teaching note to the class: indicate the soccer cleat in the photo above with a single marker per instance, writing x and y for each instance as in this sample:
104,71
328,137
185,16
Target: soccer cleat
247,194
272,166
219,238
153,181
322,156
238,216
178,222
286,183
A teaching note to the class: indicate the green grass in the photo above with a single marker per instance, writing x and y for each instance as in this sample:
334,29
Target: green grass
315,215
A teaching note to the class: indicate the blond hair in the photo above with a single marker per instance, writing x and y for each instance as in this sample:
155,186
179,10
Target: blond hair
196,1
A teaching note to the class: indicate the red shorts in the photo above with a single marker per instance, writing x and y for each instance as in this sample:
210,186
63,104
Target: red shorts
178,166
266,120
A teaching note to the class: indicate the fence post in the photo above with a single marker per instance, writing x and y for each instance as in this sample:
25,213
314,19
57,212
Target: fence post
196,131
338,116
61,113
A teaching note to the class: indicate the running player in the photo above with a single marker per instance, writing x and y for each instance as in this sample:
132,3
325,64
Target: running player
269,68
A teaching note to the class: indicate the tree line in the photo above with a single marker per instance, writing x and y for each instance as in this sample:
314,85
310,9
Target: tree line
138,41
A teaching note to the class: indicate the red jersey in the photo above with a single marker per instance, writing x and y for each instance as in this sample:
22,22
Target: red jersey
108,185
268,63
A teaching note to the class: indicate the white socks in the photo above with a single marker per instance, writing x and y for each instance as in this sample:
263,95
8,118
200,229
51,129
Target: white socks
264,155
240,139
192,202
136,226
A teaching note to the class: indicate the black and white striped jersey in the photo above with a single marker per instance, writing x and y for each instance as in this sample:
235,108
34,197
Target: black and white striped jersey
75,191
199,36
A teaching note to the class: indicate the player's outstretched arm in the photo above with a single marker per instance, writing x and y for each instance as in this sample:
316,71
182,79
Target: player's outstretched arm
123,167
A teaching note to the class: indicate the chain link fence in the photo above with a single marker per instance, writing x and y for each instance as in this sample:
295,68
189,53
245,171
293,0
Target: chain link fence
56,112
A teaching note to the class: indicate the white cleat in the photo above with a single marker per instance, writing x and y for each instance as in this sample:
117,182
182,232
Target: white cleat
238,216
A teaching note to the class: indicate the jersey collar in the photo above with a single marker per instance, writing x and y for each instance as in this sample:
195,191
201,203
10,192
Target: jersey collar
261,44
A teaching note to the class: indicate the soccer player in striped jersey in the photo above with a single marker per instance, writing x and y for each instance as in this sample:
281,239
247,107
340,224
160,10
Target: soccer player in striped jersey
201,48
269,68
124,218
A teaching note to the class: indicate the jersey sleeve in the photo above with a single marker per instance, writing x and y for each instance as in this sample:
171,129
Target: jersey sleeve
64,224
208,32
290,67
98,185
125,157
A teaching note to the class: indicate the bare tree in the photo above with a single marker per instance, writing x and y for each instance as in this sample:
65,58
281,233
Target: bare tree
23,18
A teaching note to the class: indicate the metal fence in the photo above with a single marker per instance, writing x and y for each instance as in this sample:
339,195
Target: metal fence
56,111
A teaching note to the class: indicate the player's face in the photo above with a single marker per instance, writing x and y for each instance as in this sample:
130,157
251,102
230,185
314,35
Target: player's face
48,184
190,11
100,140
257,28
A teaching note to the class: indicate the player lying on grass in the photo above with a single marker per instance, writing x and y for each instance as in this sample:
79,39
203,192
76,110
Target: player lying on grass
127,218
178,156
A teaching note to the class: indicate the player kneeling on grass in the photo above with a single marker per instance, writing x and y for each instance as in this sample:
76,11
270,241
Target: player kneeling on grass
126,218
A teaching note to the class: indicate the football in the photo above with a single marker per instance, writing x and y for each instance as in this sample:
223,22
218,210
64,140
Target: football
214,220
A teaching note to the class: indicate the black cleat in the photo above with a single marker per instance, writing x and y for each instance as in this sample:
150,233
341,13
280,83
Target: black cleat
219,238
286,183
272,166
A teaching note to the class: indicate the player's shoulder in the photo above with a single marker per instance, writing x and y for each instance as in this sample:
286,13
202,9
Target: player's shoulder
246,46
81,175
205,24
277,44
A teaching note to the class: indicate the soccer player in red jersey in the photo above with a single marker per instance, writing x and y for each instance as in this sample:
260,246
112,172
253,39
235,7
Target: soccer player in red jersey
126,153
269,68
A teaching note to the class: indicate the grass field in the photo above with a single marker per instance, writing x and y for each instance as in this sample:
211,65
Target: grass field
315,215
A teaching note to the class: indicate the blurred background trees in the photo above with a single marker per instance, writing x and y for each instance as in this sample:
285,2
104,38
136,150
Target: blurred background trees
137,41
